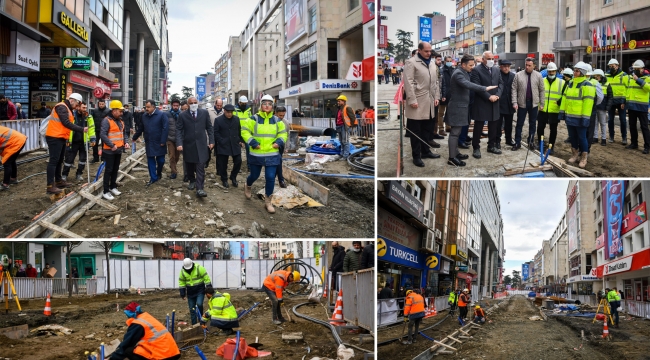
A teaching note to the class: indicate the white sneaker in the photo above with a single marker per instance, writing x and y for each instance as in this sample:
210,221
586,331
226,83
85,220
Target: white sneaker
115,192
108,196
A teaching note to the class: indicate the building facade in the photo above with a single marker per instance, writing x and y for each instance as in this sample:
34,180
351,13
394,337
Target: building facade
581,230
471,23
36,253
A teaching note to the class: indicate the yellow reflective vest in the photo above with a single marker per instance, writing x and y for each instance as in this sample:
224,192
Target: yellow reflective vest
264,129
578,102
90,135
220,308
619,83
552,93
638,94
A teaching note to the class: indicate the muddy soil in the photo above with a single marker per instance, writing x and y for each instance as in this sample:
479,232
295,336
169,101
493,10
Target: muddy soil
98,316
159,211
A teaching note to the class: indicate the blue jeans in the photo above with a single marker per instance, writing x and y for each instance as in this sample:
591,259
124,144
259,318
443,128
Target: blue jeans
155,165
578,137
532,122
344,138
462,139
269,175
621,118
195,301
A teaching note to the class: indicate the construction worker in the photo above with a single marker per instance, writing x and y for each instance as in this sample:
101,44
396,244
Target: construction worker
345,120
60,122
243,112
638,93
413,313
603,107
145,338
612,296
619,81
193,282
222,313
576,109
78,142
452,301
549,113
112,133
12,143
463,301
274,284
265,134
599,99
479,314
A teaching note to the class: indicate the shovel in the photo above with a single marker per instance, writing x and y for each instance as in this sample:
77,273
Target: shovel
401,336
256,344
288,315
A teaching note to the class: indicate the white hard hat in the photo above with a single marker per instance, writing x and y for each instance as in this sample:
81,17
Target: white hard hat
638,64
582,66
613,61
567,71
551,67
75,96
465,290
187,263
599,72
590,71
267,97
243,99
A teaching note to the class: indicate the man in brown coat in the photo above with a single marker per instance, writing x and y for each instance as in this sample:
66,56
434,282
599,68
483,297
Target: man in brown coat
527,95
422,96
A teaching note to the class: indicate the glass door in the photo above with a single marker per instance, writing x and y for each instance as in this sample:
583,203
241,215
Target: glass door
637,290
38,262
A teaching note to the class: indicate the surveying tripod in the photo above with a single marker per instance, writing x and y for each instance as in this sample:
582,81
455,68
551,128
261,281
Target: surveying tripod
5,282
606,310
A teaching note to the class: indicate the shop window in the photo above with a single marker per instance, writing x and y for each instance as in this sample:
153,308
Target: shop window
567,12
332,59
353,4
313,23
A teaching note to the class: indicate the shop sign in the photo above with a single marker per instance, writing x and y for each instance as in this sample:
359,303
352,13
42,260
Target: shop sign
621,265
600,241
338,85
355,71
44,80
634,218
24,51
115,85
573,195
71,23
579,278
397,230
462,254
50,62
391,251
368,10
424,29
64,83
383,37
133,248
50,51
77,63
98,92
405,200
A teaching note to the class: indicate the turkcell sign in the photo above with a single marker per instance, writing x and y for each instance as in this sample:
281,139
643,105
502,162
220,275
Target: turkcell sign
400,254
424,28
618,266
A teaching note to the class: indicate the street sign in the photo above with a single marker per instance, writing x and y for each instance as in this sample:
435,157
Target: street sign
387,8
76,63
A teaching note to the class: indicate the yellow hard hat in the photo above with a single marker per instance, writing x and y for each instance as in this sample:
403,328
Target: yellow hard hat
408,292
342,97
478,306
115,104
296,275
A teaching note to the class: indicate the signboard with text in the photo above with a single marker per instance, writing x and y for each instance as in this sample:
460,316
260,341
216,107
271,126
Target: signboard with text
424,29
390,226
405,200
496,13
77,63
634,218
383,37
200,87
391,251
613,217
524,271
572,228
295,16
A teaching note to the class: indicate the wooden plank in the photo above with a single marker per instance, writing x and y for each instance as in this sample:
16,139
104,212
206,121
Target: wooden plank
578,170
443,344
100,202
15,332
127,175
137,161
528,170
116,220
60,230
456,340
315,190
292,335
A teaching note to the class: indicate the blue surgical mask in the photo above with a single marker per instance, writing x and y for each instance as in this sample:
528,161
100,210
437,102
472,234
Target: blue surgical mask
449,63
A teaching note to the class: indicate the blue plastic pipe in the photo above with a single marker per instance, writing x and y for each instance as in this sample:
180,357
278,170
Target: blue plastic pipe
167,322
173,322
198,351
426,337
342,176
248,310
198,314
101,351
234,355
541,150
99,171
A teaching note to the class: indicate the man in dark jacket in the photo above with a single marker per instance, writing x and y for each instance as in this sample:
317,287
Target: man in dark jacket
352,257
137,117
78,141
486,104
174,154
191,139
227,135
445,78
337,261
7,109
214,112
506,110
20,113
43,112
155,126
127,118
367,257
99,113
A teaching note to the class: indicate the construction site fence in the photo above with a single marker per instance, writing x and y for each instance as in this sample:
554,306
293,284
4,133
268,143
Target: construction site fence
636,308
584,299
224,274
357,288
38,288
390,311
366,127
29,128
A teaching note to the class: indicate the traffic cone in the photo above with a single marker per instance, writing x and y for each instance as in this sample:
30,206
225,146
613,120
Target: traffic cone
605,329
337,317
325,291
48,306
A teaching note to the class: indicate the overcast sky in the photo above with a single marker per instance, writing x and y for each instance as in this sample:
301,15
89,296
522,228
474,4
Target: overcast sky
405,13
531,210
198,35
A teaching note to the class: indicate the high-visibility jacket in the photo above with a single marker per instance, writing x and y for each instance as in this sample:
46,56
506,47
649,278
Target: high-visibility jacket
90,135
462,300
414,304
220,308
452,297
578,102
55,127
115,134
277,281
619,83
194,282
264,129
11,141
599,92
638,94
612,295
157,342
243,115
349,122
552,93
479,312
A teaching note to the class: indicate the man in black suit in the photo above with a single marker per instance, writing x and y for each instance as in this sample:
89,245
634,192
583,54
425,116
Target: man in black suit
486,104
99,113
505,102
227,134
191,139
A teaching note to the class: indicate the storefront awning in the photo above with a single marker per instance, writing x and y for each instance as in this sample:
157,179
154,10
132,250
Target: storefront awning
67,30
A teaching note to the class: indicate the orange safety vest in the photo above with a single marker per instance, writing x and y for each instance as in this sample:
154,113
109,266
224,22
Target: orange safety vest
10,142
347,119
157,342
55,127
479,312
370,117
414,304
115,135
461,300
277,281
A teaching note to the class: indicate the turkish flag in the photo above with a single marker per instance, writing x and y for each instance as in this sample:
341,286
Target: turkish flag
368,69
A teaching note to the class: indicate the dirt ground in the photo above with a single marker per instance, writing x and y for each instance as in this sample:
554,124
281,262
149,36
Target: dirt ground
159,211
511,335
98,316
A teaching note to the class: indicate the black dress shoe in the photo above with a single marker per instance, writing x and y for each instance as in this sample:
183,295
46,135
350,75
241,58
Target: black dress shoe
532,146
468,139
234,182
510,143
463,146
150,183
433,144
633,147
430,155
418,162
283,183
201,193
516,147
498,146
438,136
462,157
494,150
225,184
186,179
646,151
172,176
456,162
477,153
192,185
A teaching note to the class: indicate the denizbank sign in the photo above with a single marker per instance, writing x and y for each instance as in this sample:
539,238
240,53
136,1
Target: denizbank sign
321,86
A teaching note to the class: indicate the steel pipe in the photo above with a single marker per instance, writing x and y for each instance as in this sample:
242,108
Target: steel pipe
313,131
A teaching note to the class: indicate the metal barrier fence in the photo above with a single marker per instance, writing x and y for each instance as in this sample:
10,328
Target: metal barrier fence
357,288
38,288
636,308
389,311
584,299
366,127
29,128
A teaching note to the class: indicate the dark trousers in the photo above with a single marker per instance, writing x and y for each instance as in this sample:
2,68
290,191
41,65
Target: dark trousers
464,131
621,118
207,163
278,172
493,131
593,119
57,153
155,165
96,150
552,120
506,120
643,120
196,172
110,171
615,304
11,168
414,323
269,175
275,306
453,140
532,122
71,153
222,166
421,129
463,311
431,128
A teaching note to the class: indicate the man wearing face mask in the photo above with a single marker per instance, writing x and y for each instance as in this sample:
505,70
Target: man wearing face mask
155,126
243,112
619,82
549,113
174,154
352,257
486,104
214,112
337,262
77,142
637,97
445,78
191,139
99,113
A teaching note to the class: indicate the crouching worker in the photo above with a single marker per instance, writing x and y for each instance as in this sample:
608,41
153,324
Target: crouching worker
479,315
274,285
222,313
145,338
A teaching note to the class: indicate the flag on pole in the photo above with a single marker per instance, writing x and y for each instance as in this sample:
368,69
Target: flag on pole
624,39
609,34
593,36
618,33
604,34
598,35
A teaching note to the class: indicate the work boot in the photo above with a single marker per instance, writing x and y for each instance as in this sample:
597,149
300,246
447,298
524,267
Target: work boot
603,142
575,154
62,184
4,186
277,322
283,184
583,160
624,142
64,177
269,205
52,189
13,181
247,191
192,185
79,178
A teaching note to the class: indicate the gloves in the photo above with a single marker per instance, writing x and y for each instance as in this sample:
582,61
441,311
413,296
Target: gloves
406,319
281,302
93,143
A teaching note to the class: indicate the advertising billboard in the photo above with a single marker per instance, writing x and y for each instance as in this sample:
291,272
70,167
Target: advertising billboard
634,218
200,87
613,217
383,37
424,29
573,228
497,10
295,16
524,272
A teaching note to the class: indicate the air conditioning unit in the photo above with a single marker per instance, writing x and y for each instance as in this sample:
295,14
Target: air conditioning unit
429,242
425,221
438,234
430,218
436,247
